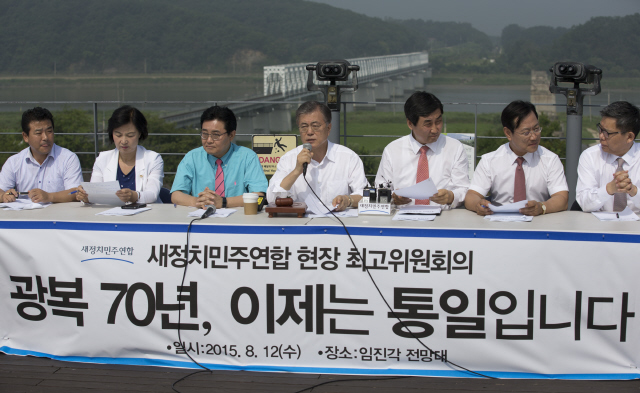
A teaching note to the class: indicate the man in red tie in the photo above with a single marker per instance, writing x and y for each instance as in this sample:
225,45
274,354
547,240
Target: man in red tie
520,169
424,154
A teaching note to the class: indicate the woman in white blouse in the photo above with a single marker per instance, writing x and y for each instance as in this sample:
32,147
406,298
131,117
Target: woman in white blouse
138,170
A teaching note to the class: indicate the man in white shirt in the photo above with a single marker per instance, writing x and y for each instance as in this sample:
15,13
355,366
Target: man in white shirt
608,173
519,170
334,171
446,161
44,170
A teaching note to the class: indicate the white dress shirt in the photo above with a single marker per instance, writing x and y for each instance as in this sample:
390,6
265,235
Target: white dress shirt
448,166
60,171
149,172
596,168
543,173
339,173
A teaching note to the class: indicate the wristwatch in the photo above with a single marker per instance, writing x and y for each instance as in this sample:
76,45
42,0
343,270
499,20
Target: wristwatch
224,202
544,208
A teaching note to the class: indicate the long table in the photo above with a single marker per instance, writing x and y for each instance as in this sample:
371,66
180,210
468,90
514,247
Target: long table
552,298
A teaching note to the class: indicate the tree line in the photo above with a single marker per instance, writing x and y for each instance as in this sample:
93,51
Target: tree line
216,36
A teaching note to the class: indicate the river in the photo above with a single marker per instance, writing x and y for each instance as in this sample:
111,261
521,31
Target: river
223,90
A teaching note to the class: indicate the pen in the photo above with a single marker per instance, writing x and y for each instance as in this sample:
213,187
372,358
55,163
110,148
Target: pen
73,192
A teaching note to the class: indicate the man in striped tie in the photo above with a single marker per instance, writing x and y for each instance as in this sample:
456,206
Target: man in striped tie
520,169
608,173
219,172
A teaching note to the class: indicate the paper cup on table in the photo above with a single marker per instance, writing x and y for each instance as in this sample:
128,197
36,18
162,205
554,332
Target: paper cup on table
250,203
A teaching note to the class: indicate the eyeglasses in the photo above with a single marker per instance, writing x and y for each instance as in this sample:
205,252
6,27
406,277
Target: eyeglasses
314,126
606,133
535,130
214,137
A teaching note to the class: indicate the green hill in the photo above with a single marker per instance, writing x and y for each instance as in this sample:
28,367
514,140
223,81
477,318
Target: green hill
135,36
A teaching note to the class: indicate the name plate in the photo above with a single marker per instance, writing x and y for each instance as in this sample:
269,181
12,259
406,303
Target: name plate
374,208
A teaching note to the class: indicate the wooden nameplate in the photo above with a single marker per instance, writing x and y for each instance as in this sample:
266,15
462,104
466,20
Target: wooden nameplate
299,208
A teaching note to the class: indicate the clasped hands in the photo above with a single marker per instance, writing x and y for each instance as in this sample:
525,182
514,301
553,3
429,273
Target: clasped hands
621,183
208,197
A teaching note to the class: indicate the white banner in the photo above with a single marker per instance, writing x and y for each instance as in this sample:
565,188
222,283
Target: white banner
299,299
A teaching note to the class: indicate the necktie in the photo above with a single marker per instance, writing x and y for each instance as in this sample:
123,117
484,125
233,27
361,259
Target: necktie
423,172
219,178
619,198
519,188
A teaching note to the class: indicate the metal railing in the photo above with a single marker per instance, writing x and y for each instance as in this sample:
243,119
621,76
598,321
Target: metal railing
98,132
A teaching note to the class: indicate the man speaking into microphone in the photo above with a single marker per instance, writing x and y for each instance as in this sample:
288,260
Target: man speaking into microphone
334,172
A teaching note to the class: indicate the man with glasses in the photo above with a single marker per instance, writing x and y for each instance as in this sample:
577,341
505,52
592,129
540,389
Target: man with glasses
334,172
219,172
520,169
425,154
608,172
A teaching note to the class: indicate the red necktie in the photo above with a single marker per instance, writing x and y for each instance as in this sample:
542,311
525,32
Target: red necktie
423,172
519,188
219,178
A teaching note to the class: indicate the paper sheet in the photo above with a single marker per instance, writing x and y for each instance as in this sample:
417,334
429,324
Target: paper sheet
23,204
419,209
422,190
508,207
413,217
625,215
506,217
314,206
118,211
103,193
220,213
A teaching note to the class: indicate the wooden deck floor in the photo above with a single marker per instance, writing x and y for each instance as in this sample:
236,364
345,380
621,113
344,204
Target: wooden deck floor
40,375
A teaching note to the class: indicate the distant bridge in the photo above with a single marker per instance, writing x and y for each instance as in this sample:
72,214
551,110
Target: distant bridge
288,82
291,79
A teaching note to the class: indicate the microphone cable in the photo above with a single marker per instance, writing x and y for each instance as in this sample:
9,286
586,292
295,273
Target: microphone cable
210,210
382,296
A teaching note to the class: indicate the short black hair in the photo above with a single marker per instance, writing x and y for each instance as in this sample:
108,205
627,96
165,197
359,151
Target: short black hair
422,104
35,114
515,112
312,106
627,116
124,115
220,113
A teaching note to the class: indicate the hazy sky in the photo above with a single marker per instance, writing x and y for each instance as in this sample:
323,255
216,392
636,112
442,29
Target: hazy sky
491,16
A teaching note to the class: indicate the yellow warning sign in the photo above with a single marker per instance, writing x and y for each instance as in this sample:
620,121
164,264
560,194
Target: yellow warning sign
270,148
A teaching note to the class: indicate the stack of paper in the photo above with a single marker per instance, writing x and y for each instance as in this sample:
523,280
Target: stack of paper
417,212
625,215
23,204
118,211
506,217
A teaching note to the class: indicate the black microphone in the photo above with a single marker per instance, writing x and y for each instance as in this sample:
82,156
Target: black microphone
304,166
210,210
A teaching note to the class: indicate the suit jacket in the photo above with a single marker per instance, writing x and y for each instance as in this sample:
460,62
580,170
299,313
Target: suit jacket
149,172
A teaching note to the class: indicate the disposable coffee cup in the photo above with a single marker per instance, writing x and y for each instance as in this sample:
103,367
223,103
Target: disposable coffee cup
250,203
